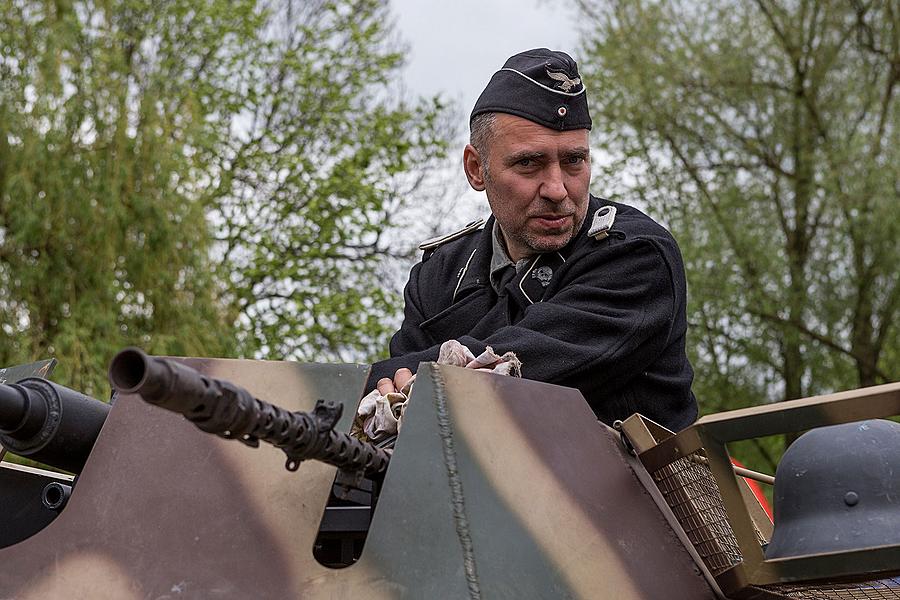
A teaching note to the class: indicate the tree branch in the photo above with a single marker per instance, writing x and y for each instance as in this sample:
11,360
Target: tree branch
826,341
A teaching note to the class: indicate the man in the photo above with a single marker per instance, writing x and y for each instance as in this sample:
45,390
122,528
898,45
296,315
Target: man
588,293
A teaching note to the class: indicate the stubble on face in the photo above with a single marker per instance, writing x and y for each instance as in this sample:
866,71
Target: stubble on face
537,182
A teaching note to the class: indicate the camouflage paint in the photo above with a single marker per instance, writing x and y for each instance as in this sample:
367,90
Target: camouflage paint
498,488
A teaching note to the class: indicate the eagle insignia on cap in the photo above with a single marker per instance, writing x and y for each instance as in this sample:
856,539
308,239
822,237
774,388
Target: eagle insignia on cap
565,84
542,274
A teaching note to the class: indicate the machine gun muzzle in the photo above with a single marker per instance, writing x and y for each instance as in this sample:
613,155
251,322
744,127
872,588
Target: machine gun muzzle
49,423
227,410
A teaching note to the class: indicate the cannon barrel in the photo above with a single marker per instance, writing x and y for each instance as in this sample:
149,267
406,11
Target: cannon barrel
49,423
227,410
14,410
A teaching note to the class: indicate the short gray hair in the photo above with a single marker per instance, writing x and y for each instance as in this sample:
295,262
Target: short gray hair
481,131
482,128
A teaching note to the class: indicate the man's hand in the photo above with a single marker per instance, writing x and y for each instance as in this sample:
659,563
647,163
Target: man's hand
387,386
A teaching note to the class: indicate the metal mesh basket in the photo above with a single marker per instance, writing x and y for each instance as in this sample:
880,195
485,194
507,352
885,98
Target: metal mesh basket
880,589
693,495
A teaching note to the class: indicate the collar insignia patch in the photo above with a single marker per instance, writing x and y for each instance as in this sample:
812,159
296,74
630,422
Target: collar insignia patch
603,222
543,274
564,83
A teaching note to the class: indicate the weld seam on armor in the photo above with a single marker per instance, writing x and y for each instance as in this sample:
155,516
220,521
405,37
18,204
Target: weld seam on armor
456,491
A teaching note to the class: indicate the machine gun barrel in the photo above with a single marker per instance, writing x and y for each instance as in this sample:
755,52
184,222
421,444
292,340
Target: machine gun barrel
227,410
49,423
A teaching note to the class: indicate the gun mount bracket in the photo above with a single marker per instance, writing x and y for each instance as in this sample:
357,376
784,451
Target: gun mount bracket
327,414
623,437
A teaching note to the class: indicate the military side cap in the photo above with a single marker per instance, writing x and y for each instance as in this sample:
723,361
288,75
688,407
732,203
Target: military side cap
540,85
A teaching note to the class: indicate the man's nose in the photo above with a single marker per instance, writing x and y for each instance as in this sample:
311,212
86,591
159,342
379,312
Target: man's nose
553,188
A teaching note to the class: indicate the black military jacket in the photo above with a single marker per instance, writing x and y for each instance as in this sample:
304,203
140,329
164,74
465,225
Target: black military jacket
607,317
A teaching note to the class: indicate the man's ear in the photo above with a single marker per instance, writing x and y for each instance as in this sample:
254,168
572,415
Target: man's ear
473,167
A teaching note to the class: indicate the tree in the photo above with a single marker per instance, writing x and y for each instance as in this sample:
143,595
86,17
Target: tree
766,135
314,188
204,178
102,239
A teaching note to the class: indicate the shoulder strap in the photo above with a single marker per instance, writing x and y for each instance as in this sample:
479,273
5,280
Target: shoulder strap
435,242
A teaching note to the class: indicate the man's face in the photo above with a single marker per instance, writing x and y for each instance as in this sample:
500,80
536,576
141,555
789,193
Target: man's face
536,182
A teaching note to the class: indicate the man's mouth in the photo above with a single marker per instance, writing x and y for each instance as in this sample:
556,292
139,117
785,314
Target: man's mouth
552,221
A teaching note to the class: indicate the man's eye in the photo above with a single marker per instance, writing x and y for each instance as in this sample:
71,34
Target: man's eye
525,162
574,160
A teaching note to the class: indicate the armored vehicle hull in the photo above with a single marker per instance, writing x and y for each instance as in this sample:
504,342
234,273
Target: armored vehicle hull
497,488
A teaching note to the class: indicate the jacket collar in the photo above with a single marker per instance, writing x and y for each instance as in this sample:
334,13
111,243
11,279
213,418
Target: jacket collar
529,286
475,273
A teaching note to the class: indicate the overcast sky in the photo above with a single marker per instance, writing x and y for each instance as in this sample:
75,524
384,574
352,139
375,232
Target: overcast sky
456,45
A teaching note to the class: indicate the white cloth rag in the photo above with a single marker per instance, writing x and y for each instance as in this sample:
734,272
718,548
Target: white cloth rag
379,417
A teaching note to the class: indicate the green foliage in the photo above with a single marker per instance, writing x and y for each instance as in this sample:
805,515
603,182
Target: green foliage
200,178
765,134
101,244
325,162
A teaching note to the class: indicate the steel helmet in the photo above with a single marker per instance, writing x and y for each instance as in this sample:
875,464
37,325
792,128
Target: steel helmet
838,488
